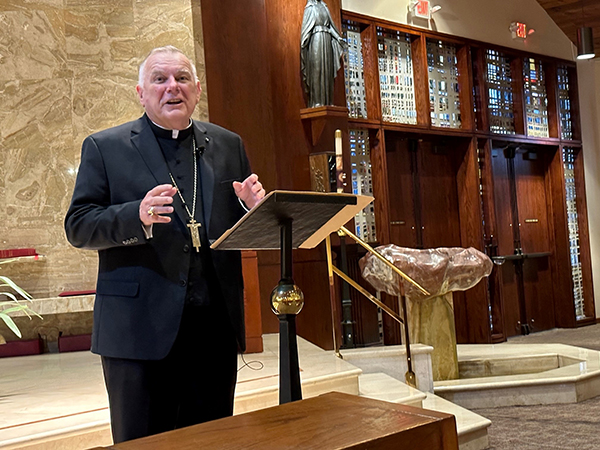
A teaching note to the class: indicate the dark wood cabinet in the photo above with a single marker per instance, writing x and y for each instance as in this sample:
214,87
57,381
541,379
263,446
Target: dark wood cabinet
438,179
492,177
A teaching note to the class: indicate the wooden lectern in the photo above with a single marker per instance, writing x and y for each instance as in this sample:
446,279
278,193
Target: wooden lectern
332,421
287,220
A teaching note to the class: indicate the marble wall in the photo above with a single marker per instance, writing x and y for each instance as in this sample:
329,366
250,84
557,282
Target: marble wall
68,68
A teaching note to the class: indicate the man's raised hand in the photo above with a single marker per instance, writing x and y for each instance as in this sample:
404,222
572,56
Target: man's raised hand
155,204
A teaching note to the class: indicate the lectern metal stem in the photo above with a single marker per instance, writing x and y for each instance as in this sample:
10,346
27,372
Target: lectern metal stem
289,368
286,301
286,250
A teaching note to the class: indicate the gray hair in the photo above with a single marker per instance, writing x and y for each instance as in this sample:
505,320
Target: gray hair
166,49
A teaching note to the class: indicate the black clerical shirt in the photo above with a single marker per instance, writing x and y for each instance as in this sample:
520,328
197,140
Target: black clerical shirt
179,157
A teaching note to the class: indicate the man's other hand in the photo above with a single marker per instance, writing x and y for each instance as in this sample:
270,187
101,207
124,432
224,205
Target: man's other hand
153,205
250,191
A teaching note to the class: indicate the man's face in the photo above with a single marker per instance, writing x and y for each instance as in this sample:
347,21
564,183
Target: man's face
169,92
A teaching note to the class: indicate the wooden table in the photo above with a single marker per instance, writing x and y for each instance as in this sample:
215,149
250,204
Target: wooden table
330,421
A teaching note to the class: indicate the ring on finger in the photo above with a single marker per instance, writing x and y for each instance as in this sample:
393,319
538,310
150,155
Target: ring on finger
151,211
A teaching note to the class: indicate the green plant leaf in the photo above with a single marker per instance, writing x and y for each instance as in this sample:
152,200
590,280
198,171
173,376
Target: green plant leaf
7,260
10,295
16,288
13,309
14,304
9,302
10,324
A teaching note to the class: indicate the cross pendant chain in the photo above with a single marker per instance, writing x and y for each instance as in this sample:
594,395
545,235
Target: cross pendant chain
193,226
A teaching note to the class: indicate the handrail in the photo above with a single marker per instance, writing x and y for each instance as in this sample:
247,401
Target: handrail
383,259
410,376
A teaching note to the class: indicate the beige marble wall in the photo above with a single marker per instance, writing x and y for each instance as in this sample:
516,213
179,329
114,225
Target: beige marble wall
69,68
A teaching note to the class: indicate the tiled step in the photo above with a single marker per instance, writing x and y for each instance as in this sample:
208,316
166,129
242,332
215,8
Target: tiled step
471,427
381,386
392,361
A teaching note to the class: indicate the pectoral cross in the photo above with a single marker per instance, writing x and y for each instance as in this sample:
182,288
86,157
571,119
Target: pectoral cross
193,226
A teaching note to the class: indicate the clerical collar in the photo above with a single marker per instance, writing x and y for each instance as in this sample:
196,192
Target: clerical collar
165,133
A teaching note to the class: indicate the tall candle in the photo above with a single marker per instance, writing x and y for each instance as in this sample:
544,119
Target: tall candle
339,161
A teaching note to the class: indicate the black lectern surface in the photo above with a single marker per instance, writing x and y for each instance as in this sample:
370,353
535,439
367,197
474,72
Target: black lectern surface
309,212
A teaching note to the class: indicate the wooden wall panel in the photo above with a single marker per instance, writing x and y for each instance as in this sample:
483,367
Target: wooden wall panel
254,342
516,67
510,300
506,277
491,240
233,89
481,93
504,221
379,171
254,88
552,95
283,34
232,93
371,72
476,300
269,276
539,297
419,52
534,206
465,77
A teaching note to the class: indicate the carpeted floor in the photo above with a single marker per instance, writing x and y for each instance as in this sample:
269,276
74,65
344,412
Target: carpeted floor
560,427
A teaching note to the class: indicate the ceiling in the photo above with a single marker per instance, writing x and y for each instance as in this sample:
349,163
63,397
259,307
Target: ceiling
569,16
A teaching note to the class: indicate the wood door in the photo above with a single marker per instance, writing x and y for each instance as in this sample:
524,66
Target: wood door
521,205
531,167
423,192
440,219
424,212
401,181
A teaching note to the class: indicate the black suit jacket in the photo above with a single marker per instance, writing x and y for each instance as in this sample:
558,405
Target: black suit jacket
141,283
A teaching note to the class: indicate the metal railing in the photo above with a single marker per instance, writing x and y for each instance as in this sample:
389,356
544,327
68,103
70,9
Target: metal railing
410,376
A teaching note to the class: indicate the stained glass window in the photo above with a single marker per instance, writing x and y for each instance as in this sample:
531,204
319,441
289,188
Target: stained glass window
564,103
396,77
573,223
500,93
362,183
536,99
444,99
354,71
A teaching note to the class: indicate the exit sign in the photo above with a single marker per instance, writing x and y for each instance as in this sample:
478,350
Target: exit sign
519,30
422,9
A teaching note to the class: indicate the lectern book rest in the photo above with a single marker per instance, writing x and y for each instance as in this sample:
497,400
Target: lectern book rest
314,216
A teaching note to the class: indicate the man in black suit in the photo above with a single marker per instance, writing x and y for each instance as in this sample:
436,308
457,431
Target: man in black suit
150,196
